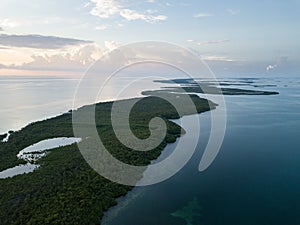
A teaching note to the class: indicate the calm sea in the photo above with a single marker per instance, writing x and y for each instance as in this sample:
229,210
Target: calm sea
254,180
27,99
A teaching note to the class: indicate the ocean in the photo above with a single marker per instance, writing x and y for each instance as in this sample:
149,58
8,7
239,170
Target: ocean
255,178
27,99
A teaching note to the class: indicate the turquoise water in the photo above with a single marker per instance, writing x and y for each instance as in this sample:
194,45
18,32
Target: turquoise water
254,180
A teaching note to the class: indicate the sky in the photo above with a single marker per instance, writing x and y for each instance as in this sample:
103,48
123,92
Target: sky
39,37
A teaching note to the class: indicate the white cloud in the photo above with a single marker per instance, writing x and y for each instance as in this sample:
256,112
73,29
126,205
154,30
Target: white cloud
271,67
210,42
86,54
129,15
102,27
73,58
111,45
9,23
35,52
203,15
217,58
14,56
282,62
87,4
105,9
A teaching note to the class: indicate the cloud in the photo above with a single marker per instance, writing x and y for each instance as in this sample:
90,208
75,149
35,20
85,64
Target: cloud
271,67
102,27
105,9
38,41
213,42
1,29
111,45
281,62
9,23
129,15
203,15
217,58
36,52
75,58
209,42
214,57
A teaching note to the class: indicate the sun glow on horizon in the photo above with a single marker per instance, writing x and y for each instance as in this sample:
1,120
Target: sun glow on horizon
40,73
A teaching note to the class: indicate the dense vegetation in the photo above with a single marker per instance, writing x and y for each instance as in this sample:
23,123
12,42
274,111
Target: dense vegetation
65,190
211,87
2,136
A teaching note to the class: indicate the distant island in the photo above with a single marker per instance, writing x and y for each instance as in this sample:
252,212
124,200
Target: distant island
211,87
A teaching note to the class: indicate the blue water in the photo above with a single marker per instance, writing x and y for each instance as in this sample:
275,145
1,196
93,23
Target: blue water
254,180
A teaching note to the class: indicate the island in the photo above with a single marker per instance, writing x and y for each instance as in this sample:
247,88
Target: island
65,189
225,87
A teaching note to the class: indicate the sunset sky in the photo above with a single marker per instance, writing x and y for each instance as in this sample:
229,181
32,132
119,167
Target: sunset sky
39,37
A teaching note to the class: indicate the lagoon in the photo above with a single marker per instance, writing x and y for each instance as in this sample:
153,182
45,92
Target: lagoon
34,152
18,170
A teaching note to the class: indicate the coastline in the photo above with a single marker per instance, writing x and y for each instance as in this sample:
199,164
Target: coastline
79,174
63,129
137,192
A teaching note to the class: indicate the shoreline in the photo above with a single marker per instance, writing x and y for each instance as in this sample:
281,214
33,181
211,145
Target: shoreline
70,156
136,191
61,159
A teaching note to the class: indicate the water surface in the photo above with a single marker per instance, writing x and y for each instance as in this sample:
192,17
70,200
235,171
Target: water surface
254,180
34,152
